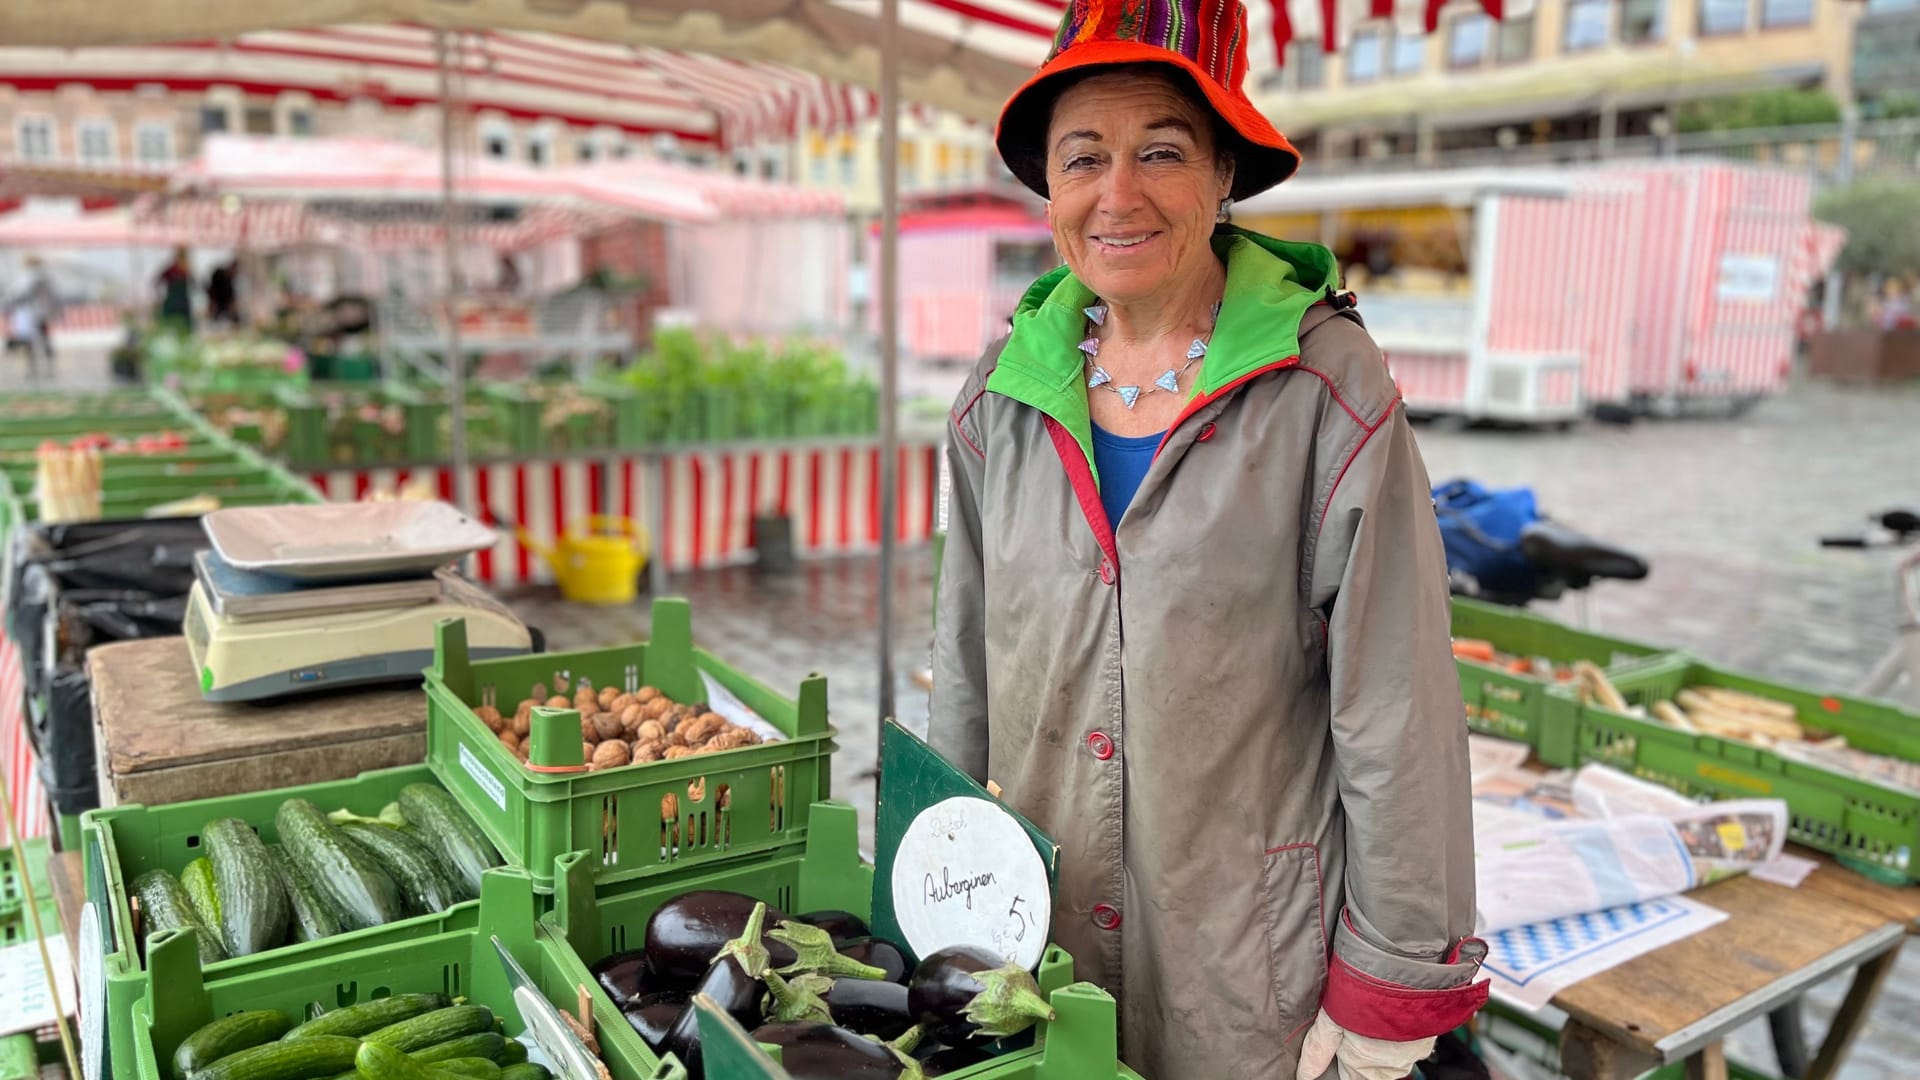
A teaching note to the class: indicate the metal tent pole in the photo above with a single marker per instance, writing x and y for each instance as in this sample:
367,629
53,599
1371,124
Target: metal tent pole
450,252
889,336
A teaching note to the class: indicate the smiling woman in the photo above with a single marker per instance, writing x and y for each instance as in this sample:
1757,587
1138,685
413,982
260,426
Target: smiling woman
1192,562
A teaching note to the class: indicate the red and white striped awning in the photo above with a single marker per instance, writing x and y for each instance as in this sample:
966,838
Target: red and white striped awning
617,184
627,66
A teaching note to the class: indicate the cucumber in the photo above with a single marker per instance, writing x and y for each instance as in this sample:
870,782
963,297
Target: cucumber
475,1067
296,1059
197,879
377,1061
228,1035
360,893
514,1054
525,1071
357,1020
453,834
253,905
426,885
485,1044
166,906
435,1027
311,918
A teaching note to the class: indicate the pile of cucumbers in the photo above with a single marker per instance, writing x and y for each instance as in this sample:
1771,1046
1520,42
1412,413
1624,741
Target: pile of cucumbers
401,1037
327,875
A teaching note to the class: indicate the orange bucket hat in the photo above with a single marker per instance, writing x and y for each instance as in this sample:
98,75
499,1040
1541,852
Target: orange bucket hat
1205,39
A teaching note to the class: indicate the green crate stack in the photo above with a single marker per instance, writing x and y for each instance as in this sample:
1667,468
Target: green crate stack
178,997
123,842
305,444
825,872
1512,705
754,799
23,869
1872,826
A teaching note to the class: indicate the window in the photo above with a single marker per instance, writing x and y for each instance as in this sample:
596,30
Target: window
1408,51
259,120
1364,56
621,150
1309,64
1786,13
1017,263
539,151
849,167
1589,24
770,169
1882,7
1516,40
817,170
1643,22
583,150
1468,39
942,164
36,138
1723,16
497,143
299,122
909,165
153,144
96,141
213,119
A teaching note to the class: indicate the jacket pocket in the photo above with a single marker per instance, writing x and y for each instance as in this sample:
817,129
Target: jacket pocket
1296,933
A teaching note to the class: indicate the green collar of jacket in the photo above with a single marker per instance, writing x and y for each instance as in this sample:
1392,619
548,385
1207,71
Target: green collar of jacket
1270,285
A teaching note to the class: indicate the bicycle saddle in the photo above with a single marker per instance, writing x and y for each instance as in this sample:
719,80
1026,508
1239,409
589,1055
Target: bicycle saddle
1556,549
1903,522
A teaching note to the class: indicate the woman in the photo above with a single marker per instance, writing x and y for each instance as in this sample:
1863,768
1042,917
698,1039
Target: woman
1193,604
175,288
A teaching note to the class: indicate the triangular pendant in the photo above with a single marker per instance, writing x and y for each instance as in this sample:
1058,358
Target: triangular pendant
1129,394
1196,350
1097,313
1169,381
1091,346
1099,377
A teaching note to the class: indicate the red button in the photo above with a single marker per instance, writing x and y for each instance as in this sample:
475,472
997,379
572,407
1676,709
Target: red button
1206,432
1106,917
1100,744
1106,571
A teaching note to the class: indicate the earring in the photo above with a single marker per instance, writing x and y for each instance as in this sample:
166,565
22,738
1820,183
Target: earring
1226,206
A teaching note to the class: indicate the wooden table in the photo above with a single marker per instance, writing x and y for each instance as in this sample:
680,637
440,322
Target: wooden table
158,741
1677,1003
68,874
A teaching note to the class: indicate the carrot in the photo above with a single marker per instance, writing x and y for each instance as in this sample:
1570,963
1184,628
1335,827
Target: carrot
1471,649
1520,667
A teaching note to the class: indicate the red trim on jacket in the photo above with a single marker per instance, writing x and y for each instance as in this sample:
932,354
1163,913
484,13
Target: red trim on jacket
1201,402
959,423
1080,475
1351,458
1378,1009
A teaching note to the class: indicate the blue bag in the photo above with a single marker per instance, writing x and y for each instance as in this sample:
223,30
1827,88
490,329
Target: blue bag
1481,530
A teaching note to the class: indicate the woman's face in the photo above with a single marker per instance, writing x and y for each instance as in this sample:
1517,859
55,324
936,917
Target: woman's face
1134,182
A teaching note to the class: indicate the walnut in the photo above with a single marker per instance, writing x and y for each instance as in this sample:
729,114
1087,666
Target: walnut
586,752
731,739
629,718
611,755
586,701
559,701
508,740
674,738
589,731
656,708
607,724
523,722
647,694
623,703
538,694
646,751
699,730
651,729
679,752
489,716
607,696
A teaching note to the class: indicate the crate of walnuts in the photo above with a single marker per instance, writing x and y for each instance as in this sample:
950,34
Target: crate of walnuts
650,758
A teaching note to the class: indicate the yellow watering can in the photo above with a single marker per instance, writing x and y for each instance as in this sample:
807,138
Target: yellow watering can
597,565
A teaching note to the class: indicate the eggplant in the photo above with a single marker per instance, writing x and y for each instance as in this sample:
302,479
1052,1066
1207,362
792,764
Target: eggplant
951,1059
685,934
814,952
870,1007
624,976
732,982
880,953
842,926
965,992
811,1051
651,1016
802,999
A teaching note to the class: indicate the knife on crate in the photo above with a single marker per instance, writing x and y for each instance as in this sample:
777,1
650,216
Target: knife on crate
546,1028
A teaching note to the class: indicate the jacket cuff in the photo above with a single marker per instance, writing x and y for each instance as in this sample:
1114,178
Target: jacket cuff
1380,1008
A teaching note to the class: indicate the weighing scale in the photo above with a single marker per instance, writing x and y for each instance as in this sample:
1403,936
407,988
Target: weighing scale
313,625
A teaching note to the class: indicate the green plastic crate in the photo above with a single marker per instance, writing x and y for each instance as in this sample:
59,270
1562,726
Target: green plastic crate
1512,706
20,869
639,820
1872,826
825,872
179,997
123,842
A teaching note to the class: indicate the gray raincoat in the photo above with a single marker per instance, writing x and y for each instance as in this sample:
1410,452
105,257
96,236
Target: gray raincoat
1236,707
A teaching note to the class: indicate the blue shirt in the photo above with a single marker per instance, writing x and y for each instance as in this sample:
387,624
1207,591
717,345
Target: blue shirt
1121,461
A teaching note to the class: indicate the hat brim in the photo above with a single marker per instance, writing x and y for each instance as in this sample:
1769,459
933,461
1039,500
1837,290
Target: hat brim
1263,158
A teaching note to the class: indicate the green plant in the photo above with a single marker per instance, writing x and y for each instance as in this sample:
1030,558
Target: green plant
1760,109
1882,219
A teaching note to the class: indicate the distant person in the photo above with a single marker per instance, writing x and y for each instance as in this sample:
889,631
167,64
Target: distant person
509,281
221,296
30,319
175,287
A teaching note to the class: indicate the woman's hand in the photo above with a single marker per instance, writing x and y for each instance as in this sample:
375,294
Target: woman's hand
1360,1058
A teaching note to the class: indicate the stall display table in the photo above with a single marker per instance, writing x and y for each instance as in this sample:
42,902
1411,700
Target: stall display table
157,741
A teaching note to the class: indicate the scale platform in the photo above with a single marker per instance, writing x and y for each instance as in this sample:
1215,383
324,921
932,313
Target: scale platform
255,636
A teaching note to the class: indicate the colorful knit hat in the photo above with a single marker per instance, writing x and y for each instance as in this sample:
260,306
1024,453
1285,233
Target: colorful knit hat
1206,39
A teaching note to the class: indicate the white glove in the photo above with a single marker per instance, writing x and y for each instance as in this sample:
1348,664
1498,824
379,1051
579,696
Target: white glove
1360,1058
